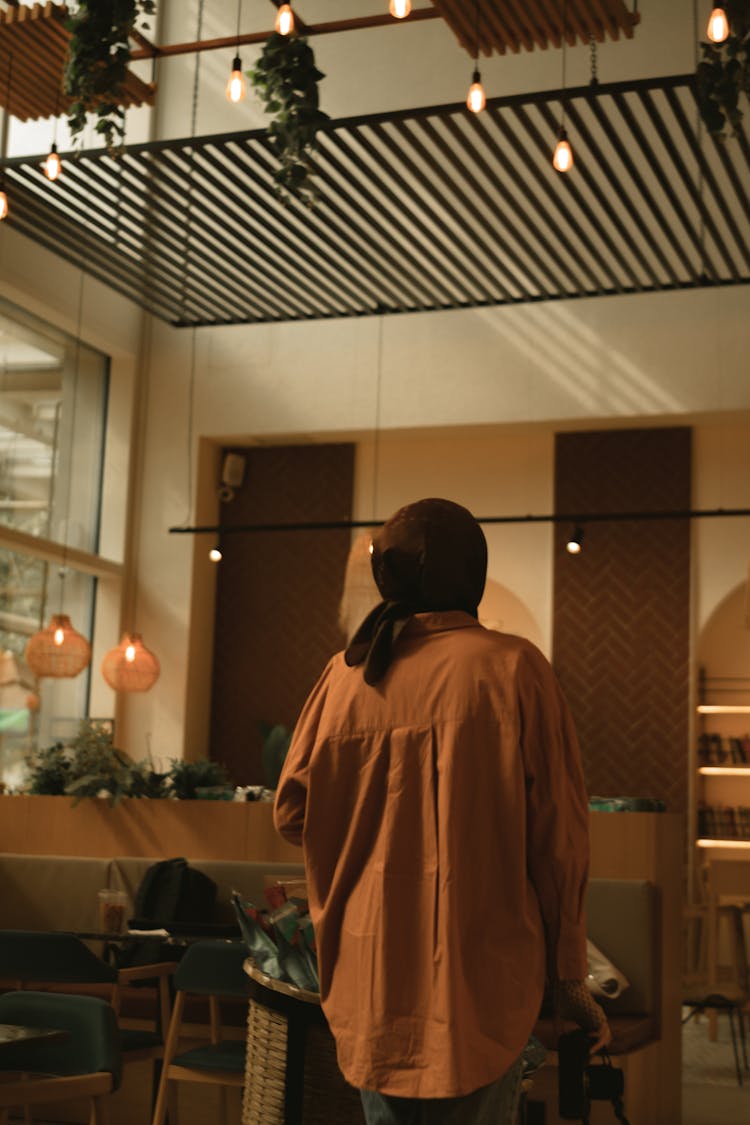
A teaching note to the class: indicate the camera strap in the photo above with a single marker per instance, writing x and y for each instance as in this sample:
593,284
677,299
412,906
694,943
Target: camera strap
615,1098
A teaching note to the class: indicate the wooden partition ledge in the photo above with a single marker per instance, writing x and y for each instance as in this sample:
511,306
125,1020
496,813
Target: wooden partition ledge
158,828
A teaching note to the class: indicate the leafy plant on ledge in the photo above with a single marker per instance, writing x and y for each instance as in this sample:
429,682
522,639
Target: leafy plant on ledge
97,62
286,79
723,74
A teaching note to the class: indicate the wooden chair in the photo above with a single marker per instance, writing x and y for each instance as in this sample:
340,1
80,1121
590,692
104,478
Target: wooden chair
87,1063
62,962
213,969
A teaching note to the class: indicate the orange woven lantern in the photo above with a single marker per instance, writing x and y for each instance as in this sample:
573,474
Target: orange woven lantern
130,666
58,651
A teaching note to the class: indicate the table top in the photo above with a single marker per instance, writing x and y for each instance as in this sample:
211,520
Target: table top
11,1033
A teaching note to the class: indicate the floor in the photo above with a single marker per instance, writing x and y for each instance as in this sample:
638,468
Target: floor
710,1093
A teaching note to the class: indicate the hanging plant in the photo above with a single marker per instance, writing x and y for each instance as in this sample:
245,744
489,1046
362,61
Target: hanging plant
286,79
97,63
723,74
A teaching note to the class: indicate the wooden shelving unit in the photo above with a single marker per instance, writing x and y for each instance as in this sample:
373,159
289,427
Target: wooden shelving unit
722,819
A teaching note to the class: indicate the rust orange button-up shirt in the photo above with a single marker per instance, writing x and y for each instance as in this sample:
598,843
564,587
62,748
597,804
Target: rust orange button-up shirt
444,823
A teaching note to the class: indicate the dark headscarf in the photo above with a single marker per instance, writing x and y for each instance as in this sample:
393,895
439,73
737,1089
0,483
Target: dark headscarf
431,555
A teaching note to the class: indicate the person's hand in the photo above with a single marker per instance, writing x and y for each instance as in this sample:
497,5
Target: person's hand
573,1001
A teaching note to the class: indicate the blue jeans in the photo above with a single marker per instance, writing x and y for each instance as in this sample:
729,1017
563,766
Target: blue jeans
496,1104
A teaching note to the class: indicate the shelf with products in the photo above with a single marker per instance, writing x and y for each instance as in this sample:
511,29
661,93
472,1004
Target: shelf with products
722,809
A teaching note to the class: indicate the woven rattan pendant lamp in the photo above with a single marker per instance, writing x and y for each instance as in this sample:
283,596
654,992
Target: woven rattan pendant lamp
131,666
59,651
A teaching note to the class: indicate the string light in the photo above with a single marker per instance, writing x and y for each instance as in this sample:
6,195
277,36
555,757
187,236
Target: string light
400,9
236,88
284,24
718,26
562,158
562,161
53,164
574,546
476,98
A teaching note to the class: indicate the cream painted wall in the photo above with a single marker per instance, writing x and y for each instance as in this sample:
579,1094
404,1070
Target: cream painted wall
462,409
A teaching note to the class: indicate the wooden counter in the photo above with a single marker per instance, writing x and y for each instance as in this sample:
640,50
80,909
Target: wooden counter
158,828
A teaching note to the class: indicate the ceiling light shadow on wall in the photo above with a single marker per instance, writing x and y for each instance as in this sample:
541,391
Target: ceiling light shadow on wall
570,353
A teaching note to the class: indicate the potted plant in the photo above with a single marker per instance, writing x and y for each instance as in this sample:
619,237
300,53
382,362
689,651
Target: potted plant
97,62
723,74
286,79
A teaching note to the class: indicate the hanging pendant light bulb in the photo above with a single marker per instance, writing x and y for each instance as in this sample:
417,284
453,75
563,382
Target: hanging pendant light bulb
476,98
53,164
574,545
718,26
400,9
284,24
562,161
4,208
236,85
215,555
131,666
59,651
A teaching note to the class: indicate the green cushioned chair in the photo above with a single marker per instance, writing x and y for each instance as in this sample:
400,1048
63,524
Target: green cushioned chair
213,969
43,959
85,1062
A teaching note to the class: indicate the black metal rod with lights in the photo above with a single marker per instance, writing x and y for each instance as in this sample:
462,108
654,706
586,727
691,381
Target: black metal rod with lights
578,518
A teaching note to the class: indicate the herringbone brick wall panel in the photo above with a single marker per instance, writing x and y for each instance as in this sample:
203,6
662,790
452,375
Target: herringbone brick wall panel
621,609
277,596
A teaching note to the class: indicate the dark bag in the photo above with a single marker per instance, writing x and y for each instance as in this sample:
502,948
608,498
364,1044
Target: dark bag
170,892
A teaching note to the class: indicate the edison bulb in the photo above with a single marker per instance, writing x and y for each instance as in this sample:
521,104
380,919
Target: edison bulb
476,99
3,205
400,9
130,653
59,636
718,26
53,164
562,161
284,24
236,85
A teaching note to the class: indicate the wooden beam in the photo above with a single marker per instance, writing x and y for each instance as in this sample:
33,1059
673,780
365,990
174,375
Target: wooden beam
357,23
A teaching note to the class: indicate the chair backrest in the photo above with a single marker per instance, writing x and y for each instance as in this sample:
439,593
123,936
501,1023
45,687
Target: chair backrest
28,955
213,968
92,1045
623,922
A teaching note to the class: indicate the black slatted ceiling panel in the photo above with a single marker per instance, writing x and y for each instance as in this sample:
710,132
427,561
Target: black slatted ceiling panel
422,209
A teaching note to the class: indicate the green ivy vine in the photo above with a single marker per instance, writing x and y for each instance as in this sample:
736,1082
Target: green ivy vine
97,62
723,74
286,79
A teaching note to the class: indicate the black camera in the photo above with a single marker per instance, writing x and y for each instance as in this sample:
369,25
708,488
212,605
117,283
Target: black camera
580,1082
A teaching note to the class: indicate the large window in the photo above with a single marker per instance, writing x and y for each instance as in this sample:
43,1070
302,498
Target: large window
53,393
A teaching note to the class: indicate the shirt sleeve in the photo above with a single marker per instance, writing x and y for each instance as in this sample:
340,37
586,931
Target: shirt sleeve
291,793
557,815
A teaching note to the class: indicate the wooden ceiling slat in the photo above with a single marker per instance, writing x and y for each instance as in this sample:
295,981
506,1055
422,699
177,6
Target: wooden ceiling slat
513,25
37,40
